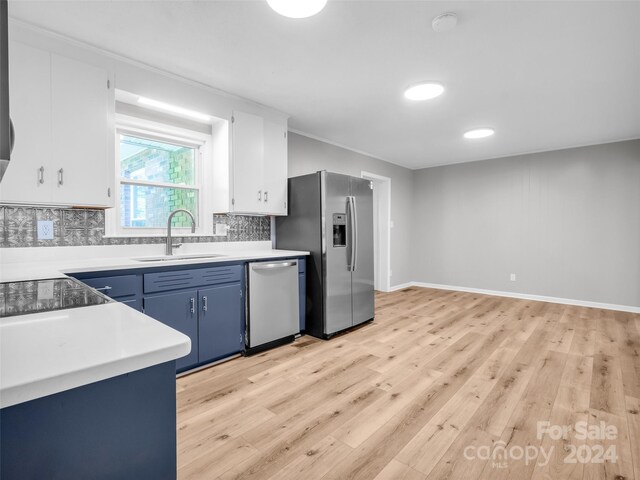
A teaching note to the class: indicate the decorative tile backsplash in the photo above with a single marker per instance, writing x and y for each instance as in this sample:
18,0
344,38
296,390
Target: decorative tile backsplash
77,227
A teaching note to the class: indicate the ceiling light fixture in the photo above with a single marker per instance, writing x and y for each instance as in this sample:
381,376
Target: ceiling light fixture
297,8
423,91
445,22
479,133
174,109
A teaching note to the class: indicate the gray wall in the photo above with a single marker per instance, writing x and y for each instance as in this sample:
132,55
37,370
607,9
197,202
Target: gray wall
566,222
307,155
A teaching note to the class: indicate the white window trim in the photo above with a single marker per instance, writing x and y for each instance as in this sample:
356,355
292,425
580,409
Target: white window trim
204,166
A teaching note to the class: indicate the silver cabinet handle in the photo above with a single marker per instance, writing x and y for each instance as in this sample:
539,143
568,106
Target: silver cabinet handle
271,266
266,196
259,195
192,301
205,305
60,176
41,175
106,288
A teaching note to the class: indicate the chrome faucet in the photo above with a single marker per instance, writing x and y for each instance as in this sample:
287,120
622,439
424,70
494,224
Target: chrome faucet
170,244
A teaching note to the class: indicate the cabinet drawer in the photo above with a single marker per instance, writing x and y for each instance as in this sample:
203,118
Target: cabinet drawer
217,275
119,286
176,280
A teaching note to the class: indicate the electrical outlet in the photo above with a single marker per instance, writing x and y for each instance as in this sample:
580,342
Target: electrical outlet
45,230
221,230
45,290
513,277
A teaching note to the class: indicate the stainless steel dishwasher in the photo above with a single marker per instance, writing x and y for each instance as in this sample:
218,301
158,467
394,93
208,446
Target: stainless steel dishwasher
273,304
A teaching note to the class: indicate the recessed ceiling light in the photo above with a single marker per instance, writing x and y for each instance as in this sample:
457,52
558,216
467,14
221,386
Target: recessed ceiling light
423,91
479,133
297,8
445,22
174,109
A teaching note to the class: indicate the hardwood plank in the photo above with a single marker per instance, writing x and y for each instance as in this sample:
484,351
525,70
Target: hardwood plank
571,406
607,390
622,466
633,422
628,340
535,406
395,470
315,462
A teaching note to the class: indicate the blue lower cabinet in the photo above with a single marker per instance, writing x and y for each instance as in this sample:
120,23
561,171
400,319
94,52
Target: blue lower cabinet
179,311
220,322
122,428
135,303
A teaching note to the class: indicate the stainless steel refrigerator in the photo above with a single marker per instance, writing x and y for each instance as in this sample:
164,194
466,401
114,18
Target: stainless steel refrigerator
331,215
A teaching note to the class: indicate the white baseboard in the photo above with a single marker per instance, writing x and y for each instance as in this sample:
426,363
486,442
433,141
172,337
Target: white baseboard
401,286
524,296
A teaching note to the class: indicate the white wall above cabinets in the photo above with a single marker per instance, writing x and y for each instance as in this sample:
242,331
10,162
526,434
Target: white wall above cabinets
62,111
256,175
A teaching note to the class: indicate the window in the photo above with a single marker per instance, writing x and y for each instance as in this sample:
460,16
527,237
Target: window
159,168
156,177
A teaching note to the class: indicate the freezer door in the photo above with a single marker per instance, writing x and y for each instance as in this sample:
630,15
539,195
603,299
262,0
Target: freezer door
337,275
362,274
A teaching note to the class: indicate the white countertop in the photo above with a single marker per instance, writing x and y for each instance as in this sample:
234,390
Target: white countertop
46,353
54,262
49,352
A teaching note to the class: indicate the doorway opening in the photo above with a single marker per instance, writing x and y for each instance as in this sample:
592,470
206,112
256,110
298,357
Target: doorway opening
381,230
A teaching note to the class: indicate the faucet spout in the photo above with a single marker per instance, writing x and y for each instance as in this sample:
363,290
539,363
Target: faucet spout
170,245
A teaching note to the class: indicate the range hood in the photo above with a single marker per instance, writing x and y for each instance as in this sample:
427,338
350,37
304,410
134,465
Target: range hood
6,128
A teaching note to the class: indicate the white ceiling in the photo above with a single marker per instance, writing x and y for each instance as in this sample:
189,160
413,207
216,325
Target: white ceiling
545,75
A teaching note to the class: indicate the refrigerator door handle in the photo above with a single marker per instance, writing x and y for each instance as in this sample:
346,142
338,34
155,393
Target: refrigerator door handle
355,235
352,233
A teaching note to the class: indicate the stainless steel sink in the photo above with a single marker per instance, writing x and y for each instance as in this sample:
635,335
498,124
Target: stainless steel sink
175,258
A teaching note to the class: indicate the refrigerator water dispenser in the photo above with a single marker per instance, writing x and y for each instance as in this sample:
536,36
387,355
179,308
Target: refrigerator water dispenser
339,230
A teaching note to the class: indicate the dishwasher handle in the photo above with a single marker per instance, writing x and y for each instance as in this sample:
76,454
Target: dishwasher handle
271,266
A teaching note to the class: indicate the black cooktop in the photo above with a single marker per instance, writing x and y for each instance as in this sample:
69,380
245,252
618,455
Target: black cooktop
33,296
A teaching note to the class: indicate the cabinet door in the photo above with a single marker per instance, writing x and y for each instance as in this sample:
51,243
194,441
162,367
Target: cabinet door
134,303
220,322
247,136
275,168
30,106
177,310
80,124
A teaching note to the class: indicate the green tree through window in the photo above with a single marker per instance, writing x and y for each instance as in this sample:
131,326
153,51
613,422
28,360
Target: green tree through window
156,178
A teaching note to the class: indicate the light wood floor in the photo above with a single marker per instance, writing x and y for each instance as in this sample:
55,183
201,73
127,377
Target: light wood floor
436,375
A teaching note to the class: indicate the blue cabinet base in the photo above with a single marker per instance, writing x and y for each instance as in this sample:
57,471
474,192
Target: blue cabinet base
120,428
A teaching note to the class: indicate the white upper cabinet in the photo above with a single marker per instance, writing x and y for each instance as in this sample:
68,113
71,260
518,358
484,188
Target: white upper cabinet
275,169
247,152
80,126
258,166
30,176
62,114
